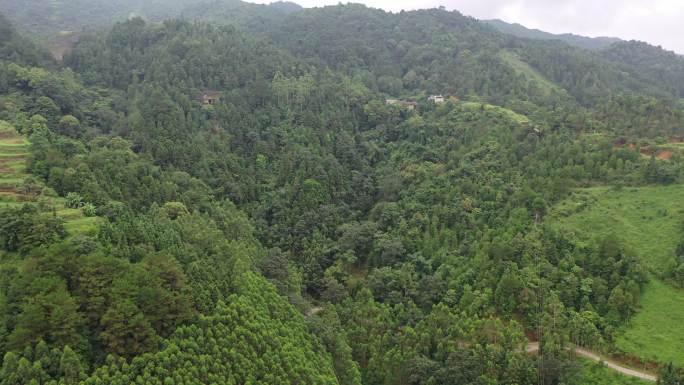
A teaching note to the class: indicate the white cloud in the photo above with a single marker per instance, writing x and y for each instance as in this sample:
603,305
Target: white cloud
658,22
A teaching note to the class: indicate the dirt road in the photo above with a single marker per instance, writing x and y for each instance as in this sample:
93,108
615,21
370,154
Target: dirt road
534,347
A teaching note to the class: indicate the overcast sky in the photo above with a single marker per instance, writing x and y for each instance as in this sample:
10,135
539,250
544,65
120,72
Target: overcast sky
659,22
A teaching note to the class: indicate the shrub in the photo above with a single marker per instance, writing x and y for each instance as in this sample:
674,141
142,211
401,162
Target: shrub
89,210
74,200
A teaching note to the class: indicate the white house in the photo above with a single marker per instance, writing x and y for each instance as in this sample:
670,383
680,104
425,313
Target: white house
436,98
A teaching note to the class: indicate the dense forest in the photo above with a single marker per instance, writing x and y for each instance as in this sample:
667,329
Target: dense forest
226,197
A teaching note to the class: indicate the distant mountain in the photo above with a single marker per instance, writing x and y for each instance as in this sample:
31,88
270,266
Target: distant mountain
286,6
19,49
659,66
518,30
397,47
441,51
48,18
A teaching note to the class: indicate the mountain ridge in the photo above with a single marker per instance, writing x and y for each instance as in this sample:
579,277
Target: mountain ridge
581,41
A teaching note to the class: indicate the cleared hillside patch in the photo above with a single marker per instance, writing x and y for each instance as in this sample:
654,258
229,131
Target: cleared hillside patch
648,220
656,333
510,114
525,69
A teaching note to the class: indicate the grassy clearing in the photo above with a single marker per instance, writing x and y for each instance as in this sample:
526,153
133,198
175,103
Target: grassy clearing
591,372
679,146
523,68
656,333
521,119
648,220
82,225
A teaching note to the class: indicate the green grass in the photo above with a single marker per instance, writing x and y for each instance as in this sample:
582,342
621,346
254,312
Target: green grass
18,166
591,372
523,68
82,225
13,151
9,202
13,143
656,333
10,147
68,213
648,220
11,181
12,174
521,119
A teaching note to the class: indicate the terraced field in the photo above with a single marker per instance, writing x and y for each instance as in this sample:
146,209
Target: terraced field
14,152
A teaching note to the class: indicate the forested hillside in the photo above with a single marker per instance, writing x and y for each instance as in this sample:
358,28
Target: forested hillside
662,67
437,51
19,49
235,202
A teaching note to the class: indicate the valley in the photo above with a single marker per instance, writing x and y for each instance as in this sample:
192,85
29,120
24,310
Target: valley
223,193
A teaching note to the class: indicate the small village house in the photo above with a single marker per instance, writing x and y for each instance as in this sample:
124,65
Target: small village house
436,98
210,97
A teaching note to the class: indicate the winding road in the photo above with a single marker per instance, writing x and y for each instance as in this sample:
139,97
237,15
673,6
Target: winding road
533,347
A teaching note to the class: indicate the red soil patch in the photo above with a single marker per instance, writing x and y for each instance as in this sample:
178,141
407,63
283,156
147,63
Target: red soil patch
8,135
532,335
664,154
